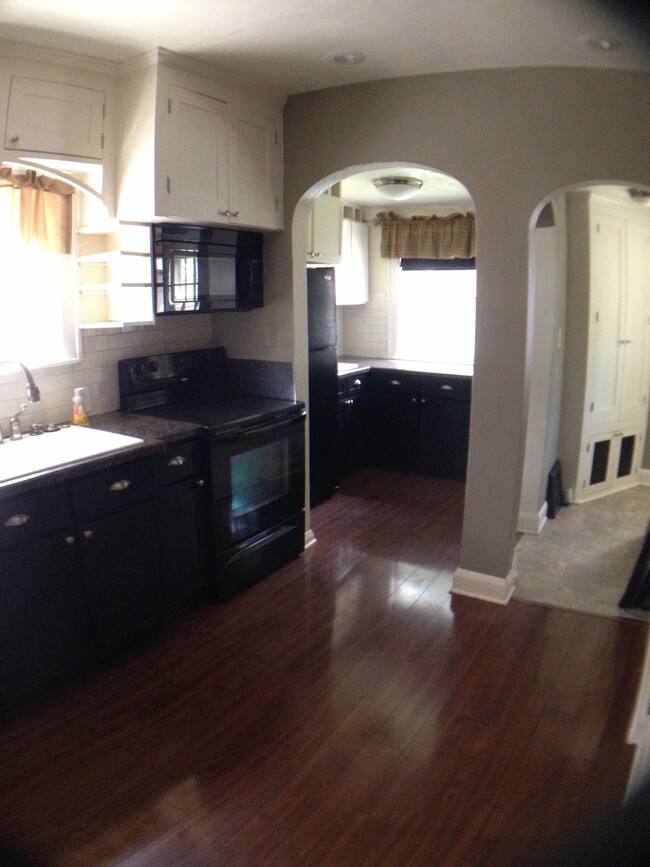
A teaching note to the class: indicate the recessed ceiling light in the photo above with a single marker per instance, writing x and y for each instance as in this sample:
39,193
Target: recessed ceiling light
347,58
602,43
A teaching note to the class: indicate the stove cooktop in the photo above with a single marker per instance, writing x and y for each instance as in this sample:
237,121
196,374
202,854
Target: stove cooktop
225,415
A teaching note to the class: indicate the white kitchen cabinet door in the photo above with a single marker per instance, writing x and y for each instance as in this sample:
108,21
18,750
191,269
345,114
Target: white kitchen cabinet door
324,231
47,117
620,286
253,170
193,184
352,273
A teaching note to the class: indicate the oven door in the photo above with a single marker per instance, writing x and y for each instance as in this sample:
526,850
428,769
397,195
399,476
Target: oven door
257,480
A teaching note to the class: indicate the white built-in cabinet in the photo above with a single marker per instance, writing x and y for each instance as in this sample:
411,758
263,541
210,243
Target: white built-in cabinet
609,271
54,118
194,151
324,231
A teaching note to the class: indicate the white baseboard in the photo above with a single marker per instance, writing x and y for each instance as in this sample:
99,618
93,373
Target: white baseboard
310,539
644,477
532,522
489,588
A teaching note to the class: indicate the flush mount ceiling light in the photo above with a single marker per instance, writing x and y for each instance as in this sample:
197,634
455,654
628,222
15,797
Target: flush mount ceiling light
639,195
398,188
347,58
601,43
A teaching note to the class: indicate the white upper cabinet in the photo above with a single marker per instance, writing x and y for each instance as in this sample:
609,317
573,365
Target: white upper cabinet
352,273
53,118
195,169
193,151
324,231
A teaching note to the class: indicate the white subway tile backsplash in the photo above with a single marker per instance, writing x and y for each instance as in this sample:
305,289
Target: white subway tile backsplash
101,350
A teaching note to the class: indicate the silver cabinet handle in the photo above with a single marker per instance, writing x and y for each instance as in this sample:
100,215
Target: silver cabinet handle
446,388
228,213
17,520
69,540
357,382
625,341
394,382
88,534
120,485
200,483
177,461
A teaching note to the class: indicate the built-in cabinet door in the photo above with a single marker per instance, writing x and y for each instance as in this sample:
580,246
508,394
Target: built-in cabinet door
50,117
254,146
324,231
611,460
194,183
620,282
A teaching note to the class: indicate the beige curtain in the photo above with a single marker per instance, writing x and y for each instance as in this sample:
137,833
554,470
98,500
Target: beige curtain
43,207
452,237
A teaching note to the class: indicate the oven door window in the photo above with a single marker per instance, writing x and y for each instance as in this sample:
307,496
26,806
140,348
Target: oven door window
259,477
257,481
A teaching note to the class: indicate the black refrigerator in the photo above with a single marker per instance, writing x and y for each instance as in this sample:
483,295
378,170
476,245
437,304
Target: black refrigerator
323,385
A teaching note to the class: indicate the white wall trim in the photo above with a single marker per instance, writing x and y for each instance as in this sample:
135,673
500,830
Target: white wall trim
533,522
489,588
310,539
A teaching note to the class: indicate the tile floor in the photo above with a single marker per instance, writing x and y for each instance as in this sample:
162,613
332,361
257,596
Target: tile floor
583,558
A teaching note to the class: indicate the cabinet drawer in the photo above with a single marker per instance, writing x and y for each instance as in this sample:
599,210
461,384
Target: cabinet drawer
30,516
113,489
178,462
446,387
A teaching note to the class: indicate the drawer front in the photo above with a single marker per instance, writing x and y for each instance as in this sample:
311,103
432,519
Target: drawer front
34,515
178,462
446,387
114,489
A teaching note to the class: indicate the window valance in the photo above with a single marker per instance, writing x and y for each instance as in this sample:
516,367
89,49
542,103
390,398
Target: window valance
452,237
40,208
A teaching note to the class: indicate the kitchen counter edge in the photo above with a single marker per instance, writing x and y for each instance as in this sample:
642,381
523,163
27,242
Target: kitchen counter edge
156,435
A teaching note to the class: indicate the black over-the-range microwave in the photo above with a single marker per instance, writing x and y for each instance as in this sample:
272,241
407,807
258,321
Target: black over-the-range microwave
200,269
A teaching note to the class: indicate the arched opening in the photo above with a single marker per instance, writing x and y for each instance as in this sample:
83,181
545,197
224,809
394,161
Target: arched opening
441,195
588,402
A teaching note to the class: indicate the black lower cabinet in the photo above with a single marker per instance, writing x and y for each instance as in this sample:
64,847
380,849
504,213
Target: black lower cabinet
354,422
124,588
420,422
183,510
44,640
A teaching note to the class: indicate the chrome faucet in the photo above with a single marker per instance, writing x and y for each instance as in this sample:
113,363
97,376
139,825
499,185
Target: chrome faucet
33,395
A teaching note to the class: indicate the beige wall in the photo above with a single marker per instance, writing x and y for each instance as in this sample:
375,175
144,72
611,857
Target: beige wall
512,137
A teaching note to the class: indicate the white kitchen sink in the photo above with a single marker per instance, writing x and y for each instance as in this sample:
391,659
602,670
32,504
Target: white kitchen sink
32,454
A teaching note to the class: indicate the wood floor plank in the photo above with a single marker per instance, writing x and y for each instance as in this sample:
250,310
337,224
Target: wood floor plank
345,711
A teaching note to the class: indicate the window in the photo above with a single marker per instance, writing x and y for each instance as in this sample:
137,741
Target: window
434,314
38,321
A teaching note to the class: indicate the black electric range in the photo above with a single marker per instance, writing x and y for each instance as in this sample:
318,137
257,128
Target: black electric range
253,459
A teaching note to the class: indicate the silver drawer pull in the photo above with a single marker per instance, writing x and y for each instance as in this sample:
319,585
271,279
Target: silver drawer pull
200,483
69,540
394,382
446,388
357,382
120,485
17,520
88,534
178,461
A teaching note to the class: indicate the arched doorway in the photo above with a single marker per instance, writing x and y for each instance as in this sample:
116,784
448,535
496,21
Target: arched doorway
440,194
578,241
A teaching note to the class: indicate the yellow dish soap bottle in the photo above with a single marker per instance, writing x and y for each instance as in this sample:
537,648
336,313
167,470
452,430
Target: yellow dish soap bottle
78,411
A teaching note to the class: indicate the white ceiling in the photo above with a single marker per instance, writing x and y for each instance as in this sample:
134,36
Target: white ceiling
289,44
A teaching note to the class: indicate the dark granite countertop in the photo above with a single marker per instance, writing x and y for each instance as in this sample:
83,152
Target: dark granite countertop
155,433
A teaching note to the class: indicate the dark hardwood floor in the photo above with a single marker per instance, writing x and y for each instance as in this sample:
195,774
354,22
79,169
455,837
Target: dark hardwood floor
345,711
